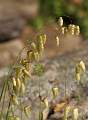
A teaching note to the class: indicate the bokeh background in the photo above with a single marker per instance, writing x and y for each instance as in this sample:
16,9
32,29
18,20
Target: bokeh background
22,20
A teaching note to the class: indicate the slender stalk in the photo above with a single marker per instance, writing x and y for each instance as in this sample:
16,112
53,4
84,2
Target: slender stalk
8,109
6,84
65,93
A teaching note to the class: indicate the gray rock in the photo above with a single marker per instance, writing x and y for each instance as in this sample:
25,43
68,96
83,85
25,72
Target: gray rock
13,16
55,75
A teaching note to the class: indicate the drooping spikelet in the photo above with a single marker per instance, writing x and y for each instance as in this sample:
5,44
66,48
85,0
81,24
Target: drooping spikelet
14,81
77,30
27,110
14,99
82,66
27,73
55,91
71,29
57,40
46,102
60,22
75,114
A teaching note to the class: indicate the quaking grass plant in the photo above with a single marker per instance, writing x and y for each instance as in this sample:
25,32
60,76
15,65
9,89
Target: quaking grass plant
14,87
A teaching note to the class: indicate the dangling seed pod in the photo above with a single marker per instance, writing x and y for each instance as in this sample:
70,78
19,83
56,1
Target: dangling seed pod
27,73
77,69
27,66
23,62
30,56
75,114
63,30
71,29
60,22
36,56
27,110
18,83
57,40
33,45
46,102
67,111
44,39
77,30
82,66
78,76
55,92
14,99
40,44
14,81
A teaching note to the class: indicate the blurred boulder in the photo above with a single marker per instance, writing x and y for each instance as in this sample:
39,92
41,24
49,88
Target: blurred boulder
9,52
13,16
55,75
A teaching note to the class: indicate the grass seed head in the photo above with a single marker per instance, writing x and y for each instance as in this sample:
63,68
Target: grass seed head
14,100
63,30
82,66
55,92
78,77
14,81
36,56
57,40
33,45
46,103
60,22
27,110
18,83
77,30
27,73
75,114
71,29
30,56
67,111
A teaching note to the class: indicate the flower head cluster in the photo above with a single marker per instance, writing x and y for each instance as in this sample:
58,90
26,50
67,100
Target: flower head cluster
64,30
80,68
21,72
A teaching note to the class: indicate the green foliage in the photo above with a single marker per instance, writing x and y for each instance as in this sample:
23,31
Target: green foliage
50,8
55,8
80,14
39,69
36,23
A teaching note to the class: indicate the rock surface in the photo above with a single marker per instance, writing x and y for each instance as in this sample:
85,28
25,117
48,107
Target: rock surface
9,51
55,76
13,16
